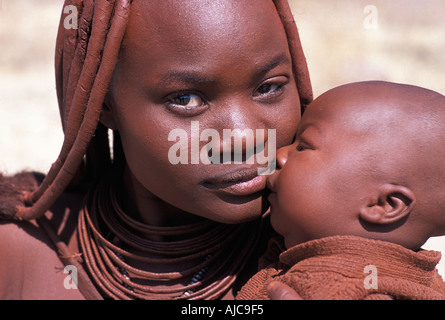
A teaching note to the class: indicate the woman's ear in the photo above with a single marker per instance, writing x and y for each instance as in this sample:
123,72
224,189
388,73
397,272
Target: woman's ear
107,115
394,203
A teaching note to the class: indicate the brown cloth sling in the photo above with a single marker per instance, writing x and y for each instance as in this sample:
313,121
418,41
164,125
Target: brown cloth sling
352,268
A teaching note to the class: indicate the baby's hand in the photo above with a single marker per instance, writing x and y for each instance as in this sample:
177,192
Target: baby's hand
280,291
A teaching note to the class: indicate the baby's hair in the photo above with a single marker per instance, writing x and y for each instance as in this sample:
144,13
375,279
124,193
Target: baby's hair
85,61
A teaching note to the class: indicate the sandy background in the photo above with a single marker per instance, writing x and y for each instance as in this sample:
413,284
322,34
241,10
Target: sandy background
407,46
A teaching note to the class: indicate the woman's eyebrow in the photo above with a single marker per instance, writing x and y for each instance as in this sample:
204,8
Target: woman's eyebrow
280,59
261,72
183,77
196,77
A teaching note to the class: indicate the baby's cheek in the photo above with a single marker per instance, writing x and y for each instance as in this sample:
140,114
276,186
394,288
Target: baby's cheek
282,213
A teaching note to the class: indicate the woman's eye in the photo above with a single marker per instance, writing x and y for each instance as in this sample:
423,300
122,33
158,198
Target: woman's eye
187,100
268,88
271,88
186,104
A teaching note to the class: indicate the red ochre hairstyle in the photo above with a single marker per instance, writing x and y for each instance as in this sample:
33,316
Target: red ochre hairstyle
85,61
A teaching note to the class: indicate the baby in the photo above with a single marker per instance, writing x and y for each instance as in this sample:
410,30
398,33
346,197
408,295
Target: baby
358,194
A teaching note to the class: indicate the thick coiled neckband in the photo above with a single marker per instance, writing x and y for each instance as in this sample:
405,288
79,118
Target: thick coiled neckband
114,244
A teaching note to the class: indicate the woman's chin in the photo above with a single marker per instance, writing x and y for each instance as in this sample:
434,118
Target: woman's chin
235,212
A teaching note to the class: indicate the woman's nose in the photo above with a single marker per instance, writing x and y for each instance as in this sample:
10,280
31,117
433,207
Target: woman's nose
242,143
243,133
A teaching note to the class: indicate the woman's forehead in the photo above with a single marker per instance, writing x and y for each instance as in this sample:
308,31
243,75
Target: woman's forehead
201,35
199,20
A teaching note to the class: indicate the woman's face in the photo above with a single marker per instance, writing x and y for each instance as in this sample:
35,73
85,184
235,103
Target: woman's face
221,64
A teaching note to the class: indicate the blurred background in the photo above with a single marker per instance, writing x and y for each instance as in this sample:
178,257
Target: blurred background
344,41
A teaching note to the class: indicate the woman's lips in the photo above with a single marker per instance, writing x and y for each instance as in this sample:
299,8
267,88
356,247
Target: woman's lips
239,182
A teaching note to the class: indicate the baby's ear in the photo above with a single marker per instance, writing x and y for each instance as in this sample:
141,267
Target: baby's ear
394,203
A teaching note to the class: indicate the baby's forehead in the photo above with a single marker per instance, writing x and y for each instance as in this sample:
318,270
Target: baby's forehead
383,99
379,110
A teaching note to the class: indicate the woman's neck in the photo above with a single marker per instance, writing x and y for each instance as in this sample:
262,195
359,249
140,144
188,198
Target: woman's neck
142,205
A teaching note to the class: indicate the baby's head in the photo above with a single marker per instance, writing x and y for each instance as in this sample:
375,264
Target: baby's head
368,160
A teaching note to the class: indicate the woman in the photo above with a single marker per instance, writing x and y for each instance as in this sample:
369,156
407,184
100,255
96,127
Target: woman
151,229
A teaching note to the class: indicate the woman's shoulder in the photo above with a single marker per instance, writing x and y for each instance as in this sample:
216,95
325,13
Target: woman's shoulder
30,267
16,236
29,264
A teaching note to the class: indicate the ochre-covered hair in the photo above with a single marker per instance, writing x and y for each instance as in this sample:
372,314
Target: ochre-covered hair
85,61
